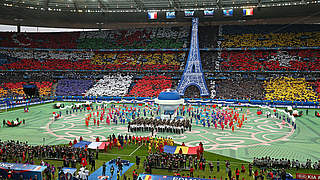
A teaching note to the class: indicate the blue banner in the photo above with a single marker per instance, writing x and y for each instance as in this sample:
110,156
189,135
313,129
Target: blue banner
28,171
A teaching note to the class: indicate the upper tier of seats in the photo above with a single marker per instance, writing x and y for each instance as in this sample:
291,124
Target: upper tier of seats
255,36
170,37
146,38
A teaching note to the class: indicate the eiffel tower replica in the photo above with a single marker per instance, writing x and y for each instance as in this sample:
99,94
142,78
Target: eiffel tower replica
193,74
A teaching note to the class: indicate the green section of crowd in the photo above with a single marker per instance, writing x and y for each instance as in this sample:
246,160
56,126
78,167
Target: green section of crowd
156,43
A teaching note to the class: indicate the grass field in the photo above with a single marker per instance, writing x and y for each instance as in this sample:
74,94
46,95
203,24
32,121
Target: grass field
259,137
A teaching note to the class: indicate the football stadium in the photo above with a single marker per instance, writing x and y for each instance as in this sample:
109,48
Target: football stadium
159,90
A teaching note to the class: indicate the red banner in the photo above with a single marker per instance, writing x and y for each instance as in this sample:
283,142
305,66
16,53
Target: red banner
307,176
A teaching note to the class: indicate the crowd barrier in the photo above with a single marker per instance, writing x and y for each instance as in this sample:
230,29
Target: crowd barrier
10,102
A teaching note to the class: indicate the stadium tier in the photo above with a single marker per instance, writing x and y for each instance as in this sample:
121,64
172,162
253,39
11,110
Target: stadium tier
238,89
257,36
272,60
147,38
248,36
290,89
150,86
88,60
111,85
15,89
72,87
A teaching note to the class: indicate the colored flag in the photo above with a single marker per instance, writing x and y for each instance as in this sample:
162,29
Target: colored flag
248,12
152,15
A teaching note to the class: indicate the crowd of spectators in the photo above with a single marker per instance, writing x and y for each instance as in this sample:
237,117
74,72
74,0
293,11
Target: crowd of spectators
289,89
316,86
239,89
296,87
175,162
146,38
256,36
290,60
140,60
45,54
73,87
150,86
212,88
14,89
89,60
22,152
192,92
208,60
272,40
208,36
111,85
39,40
267,162
170,37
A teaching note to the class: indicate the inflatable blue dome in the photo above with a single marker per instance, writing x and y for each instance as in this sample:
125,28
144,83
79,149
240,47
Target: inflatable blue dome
169,95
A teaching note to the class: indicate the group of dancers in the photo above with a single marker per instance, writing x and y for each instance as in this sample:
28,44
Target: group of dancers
142,118
159,125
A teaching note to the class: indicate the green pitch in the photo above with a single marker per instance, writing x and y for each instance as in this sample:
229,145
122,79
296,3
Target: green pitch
258,136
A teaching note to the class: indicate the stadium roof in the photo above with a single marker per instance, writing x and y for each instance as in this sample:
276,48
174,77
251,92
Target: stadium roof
115,14
144,5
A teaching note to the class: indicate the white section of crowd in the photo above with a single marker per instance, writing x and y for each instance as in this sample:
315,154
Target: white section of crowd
29,54
212,88
111,85
158,32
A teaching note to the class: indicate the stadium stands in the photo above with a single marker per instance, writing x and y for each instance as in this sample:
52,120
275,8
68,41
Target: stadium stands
15,89
150,86
72,87
271,36
139,60
292,60
256,36
111,85
239,89
289,89
317,87
208,36
39,40
3,92
88,60
212,89
147,38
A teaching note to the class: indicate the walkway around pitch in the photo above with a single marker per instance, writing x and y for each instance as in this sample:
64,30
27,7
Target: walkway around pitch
95,175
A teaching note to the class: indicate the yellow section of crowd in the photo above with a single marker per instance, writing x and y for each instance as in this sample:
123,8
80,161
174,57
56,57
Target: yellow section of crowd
289,89
137,58
3,92
272,40
45,91
16,89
